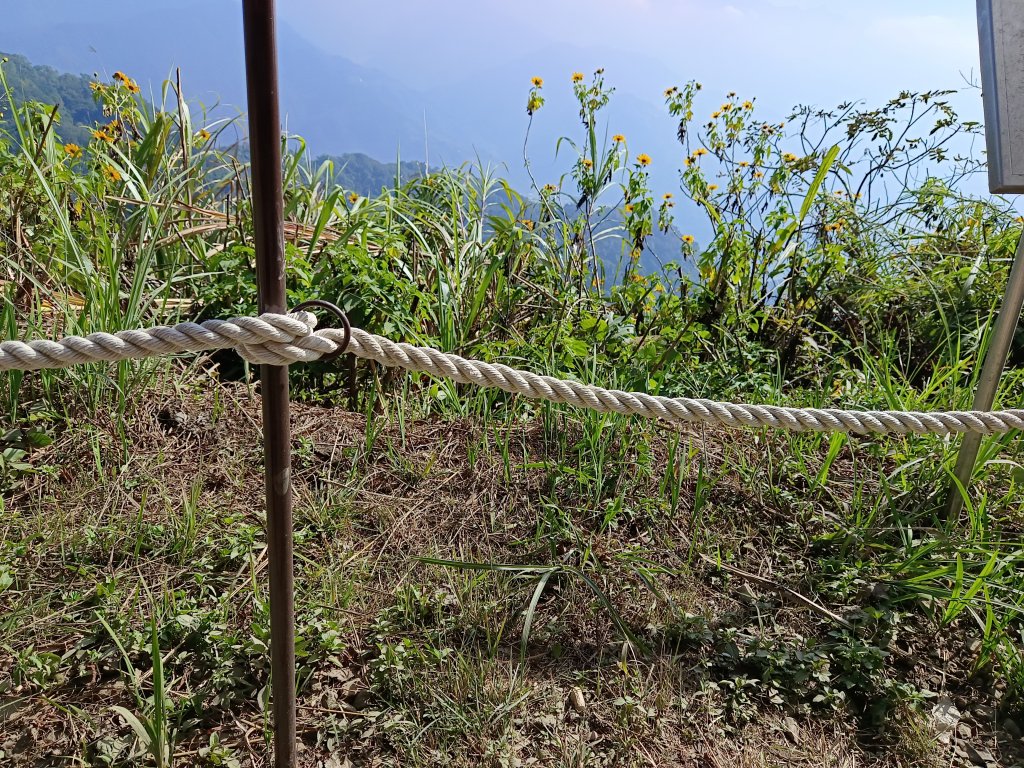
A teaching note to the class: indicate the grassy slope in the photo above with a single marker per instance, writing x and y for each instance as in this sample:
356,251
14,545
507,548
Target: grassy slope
700,597
159,519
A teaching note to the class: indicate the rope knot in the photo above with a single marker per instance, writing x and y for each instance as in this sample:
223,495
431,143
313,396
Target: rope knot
284,339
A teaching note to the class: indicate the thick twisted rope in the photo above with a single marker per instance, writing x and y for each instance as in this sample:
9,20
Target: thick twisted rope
285,339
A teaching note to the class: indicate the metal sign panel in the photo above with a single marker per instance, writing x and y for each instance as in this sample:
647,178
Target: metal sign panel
1001,39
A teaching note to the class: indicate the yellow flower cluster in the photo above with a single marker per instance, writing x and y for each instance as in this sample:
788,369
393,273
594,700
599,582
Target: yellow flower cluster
127,82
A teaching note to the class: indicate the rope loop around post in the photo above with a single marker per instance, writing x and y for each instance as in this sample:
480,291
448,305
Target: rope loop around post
335,310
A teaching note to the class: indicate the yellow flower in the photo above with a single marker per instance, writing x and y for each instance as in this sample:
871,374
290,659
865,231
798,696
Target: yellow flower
202,135
748,105
688,162
744,163
789,157
726,107
1019,219
73,151
577,77
132,86
715,115
712,187
550,188
121,77
628,207
96,87
102,135
111,173
670,91
667,196
353,198
758,175
528,224
618,138
700,152
538,82
588,163
643,159
688,239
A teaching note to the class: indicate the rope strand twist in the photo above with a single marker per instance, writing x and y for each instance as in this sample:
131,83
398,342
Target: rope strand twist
274,339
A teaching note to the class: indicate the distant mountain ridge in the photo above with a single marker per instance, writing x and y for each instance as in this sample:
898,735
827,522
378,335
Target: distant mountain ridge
79,112
336,105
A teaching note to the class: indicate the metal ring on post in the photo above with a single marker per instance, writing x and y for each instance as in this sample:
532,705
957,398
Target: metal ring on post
335,310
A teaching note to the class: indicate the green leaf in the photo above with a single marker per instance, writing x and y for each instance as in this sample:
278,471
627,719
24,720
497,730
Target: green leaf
819,177
141,730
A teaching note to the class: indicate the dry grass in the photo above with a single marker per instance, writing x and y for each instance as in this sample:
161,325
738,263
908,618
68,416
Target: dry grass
404,662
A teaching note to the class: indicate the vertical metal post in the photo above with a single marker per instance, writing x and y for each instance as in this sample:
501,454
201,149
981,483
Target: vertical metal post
268,214
992,370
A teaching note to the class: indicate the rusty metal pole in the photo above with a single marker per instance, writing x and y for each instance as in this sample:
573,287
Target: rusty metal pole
268,219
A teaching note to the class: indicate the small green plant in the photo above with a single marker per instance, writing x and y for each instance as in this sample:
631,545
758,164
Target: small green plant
150,721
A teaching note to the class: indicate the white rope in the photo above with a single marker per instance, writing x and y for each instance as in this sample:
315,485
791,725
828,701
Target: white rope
283,339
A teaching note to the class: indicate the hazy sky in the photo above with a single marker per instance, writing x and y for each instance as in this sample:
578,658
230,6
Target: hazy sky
783,51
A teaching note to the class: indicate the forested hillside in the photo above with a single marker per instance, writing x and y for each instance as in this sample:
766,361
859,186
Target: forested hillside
79,111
